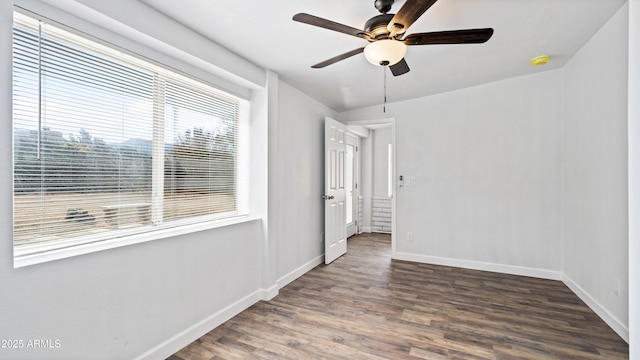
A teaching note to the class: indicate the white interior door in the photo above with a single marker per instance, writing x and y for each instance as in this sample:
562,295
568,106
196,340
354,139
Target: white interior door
335,220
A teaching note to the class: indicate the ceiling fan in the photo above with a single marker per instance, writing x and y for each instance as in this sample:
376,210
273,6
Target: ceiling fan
385,33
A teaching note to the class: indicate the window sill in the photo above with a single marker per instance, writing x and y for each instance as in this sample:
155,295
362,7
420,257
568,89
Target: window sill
57,254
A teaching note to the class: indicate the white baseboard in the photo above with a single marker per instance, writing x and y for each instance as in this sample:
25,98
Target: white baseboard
187,336
478,265
605,315
184,338
270,293
285,280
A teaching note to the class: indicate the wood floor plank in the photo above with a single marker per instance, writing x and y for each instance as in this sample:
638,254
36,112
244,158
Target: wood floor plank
366,306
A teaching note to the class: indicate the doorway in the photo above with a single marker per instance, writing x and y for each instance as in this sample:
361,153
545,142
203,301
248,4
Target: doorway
373,203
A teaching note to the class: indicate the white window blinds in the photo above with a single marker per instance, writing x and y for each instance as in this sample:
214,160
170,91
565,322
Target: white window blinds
107,145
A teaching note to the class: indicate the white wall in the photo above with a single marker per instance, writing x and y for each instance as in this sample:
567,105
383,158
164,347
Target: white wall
488,175
263,116
121,303
297,159
634,178
595,251
381,140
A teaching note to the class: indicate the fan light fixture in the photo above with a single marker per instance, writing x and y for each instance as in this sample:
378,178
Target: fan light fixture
385,52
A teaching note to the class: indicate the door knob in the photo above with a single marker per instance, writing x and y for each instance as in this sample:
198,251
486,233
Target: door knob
327,197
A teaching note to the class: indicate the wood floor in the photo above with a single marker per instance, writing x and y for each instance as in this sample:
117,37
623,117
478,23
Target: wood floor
366,306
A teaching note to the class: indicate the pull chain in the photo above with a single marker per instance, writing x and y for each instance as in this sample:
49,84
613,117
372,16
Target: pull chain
384,106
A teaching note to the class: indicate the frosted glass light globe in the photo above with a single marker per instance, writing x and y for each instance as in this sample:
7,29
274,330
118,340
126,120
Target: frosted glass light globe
385,52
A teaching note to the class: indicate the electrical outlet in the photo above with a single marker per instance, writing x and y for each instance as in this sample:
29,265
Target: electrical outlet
410,237
616,286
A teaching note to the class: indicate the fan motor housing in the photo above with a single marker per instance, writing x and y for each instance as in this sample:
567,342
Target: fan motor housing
383,5
377,26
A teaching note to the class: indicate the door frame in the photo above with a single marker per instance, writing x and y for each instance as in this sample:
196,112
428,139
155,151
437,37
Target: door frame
355,180
394,156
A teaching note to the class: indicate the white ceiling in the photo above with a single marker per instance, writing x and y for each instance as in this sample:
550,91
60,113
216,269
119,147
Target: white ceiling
263,32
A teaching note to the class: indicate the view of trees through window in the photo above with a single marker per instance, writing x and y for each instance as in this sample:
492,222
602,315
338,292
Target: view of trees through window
78,163
101,144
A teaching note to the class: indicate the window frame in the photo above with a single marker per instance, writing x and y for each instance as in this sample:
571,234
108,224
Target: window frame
44,252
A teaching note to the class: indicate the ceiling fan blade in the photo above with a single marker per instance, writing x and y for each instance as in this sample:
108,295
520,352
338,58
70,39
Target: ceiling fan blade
399,68
407,15
470,36
328,24
335,59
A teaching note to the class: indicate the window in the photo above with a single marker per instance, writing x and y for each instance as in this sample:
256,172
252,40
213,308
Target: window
108,145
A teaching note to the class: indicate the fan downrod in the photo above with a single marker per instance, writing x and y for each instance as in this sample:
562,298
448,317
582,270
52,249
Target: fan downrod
383,5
